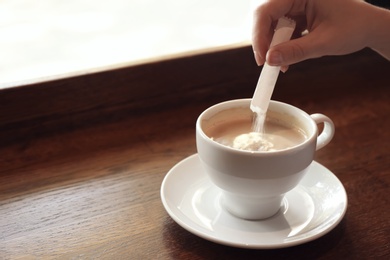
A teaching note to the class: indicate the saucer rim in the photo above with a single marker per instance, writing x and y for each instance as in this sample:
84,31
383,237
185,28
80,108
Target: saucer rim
198,232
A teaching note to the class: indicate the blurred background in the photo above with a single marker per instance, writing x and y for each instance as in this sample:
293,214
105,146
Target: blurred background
52,37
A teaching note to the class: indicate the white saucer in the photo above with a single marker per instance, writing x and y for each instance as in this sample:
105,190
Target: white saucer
308,212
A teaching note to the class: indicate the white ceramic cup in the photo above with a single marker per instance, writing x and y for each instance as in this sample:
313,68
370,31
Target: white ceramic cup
253,183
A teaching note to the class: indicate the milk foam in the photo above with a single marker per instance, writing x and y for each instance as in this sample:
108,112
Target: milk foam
252,141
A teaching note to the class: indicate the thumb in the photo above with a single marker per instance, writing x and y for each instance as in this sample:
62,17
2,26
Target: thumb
294,51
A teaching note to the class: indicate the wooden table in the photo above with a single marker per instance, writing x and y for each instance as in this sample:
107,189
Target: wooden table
82,159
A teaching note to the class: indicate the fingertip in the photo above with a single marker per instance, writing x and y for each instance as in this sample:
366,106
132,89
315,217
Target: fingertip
259,59
284,69
274,58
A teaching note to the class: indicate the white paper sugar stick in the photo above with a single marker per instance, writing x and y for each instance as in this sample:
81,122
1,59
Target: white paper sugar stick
269,74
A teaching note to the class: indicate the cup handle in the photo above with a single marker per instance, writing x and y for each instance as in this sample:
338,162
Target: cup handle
327,133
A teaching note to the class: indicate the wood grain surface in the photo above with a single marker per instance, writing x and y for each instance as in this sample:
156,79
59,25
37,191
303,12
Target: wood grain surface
82,159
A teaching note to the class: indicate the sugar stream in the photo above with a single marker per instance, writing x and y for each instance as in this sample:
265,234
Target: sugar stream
258,122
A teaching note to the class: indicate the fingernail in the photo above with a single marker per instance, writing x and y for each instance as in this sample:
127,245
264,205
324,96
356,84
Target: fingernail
275,58
283,69
259,59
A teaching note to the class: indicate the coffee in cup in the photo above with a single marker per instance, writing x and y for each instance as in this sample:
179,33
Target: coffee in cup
234,128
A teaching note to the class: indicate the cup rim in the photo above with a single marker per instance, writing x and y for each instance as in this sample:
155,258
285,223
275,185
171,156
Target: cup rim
312,135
